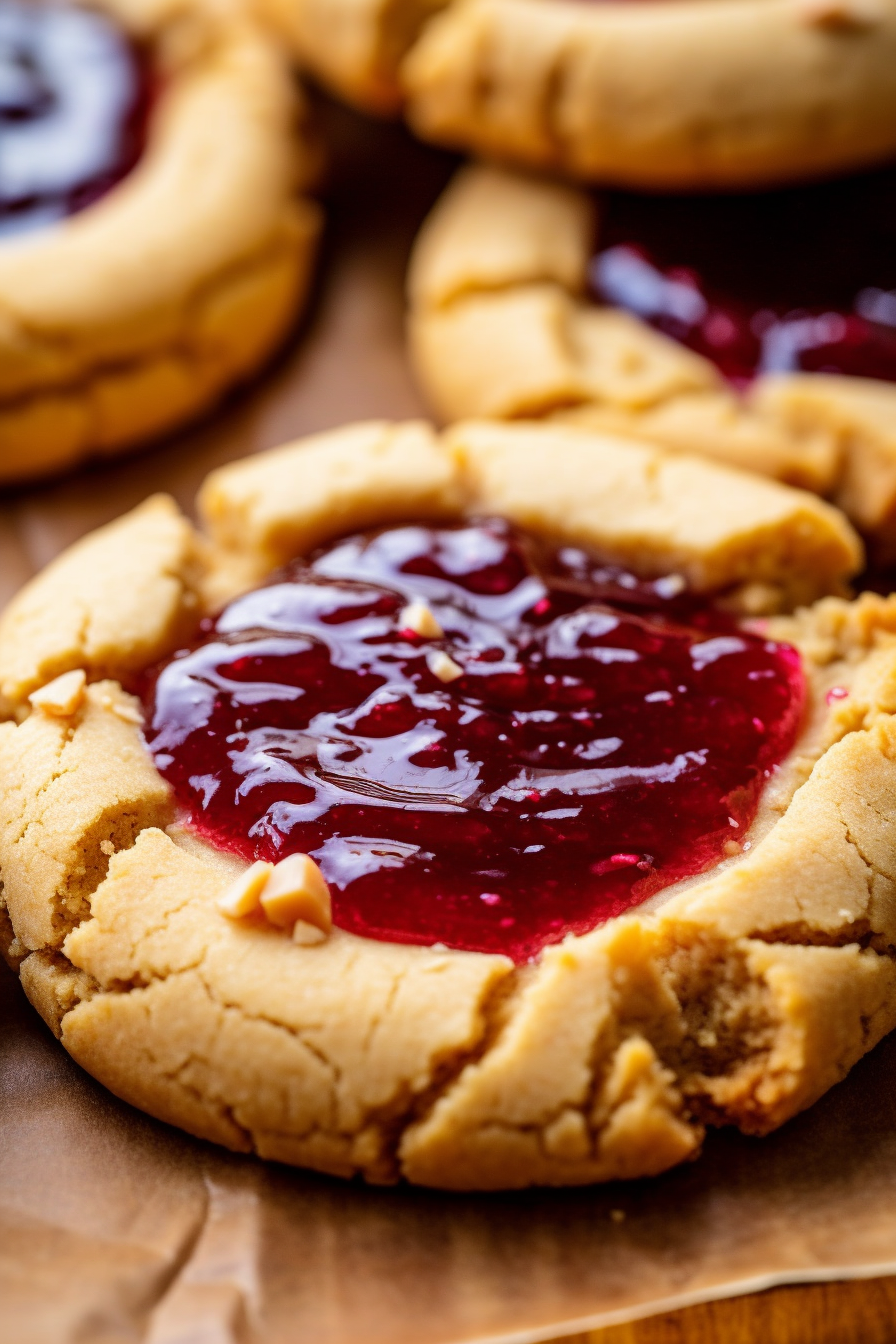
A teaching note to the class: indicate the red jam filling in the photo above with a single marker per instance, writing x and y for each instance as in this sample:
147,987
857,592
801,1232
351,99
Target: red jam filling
73,99
607,737
774,282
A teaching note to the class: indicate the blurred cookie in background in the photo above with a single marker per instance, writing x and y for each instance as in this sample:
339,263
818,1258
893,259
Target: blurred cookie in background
759,330
155,241
661,94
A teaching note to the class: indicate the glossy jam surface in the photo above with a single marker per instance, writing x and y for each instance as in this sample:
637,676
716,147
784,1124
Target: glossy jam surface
608,736
73,94
778,281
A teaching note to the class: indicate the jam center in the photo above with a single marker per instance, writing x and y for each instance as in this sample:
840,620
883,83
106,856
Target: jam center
562,742
773,282
73,97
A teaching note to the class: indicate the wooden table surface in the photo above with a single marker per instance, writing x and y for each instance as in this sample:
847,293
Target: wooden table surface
363,307
862,1312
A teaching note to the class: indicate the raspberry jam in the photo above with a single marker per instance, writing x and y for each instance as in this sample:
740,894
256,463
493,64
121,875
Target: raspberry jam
773,282
73,95
607,736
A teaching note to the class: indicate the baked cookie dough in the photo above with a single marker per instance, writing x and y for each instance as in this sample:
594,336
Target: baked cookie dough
737,997
136,313
667,93
500,325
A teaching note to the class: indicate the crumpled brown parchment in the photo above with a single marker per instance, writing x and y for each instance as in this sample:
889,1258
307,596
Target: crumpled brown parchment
116,1229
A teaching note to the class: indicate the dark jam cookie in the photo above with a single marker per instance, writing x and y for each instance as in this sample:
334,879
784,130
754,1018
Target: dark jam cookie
773,282
73,94
562,740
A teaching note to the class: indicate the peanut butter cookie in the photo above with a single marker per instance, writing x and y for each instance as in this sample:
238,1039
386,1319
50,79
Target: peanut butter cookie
508,320
154,242
487,809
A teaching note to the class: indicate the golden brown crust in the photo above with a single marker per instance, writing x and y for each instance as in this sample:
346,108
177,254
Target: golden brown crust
134,315
673,93
720,527
520,339
737,998
282,503
663,512
858,415
115,602
663,95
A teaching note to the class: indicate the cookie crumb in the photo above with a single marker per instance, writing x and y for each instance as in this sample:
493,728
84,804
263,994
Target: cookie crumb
297,891
243,896
62,696
444,667
107,848
418,617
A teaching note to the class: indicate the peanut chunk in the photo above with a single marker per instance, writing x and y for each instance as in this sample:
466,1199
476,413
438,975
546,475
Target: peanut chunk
443,666
243,896
296,891
124,709
130,713
418,617
306,935
62,696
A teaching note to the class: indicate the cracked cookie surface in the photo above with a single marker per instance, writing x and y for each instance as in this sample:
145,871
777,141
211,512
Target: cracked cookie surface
738,996
500,325
134,315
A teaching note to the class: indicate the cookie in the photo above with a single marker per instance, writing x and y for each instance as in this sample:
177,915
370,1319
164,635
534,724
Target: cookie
155,245
502,324
729,976
664,95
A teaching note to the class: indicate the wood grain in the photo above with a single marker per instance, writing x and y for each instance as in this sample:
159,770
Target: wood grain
862,1312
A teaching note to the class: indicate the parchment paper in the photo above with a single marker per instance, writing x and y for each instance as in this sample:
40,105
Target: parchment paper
115,1228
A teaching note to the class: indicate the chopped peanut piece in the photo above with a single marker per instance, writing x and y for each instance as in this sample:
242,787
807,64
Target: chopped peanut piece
671,585
297,891
122,709
306,935
62,696
243,896
418,617
130,713
443,666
